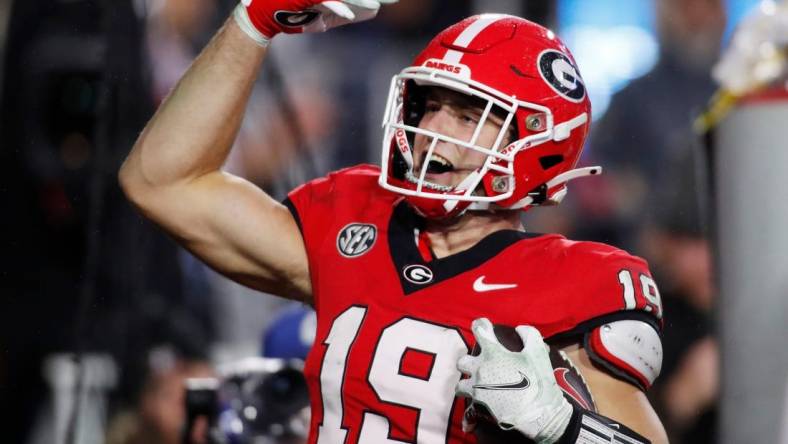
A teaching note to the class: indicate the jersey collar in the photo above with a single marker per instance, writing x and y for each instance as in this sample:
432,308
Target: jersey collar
405,253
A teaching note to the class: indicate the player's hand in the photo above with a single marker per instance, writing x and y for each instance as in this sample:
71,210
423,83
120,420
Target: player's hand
263,19
518,388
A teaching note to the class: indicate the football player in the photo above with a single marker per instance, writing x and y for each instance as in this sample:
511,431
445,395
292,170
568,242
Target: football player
409,264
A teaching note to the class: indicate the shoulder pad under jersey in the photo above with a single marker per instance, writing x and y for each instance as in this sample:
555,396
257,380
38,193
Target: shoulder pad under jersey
630,349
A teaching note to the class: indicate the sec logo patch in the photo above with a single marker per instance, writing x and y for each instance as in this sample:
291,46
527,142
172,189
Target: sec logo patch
356,239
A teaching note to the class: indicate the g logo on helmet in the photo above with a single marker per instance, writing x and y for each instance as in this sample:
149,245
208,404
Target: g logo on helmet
558,71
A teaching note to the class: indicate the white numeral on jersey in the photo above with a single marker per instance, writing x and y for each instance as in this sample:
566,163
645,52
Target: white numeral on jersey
431,393
341,337
428,389
649,293
625,277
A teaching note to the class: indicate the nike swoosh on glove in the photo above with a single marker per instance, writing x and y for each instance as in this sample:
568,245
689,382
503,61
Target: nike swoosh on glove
518,388
263,19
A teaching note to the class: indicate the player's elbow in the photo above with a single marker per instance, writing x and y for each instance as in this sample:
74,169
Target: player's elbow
132,183
140,186
144,180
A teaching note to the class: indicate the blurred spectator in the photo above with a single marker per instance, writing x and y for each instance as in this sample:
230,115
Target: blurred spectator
649,121
687,390
175,31
159,414
645,143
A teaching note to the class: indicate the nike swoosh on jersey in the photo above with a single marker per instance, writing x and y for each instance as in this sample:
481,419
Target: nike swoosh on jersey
519,385
480,286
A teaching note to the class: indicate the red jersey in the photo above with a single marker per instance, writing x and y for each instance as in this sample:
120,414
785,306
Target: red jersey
392,321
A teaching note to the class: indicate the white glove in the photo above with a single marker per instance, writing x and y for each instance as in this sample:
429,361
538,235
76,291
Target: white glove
518,388
263,19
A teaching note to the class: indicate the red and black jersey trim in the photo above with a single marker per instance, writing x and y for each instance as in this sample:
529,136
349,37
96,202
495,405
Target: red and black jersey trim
578,332
291,206
405,252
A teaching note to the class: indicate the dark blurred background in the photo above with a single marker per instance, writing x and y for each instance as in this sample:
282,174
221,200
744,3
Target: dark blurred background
81,271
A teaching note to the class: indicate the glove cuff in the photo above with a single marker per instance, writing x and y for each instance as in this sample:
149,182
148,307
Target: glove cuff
586,427
241,17
556,427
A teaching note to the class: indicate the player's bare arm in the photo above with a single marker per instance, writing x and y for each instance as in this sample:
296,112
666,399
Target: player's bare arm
173,174
617,399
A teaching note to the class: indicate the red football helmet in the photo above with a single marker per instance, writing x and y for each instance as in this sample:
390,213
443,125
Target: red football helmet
525,75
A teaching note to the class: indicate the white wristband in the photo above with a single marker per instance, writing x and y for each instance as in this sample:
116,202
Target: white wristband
242,18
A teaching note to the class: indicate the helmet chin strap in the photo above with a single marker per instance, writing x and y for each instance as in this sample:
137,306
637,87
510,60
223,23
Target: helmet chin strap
558,180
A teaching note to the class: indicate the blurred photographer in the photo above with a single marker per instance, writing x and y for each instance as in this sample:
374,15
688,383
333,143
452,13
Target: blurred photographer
257,400
158,415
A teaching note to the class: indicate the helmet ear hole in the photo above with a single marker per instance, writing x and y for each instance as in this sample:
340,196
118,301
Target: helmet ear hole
550,161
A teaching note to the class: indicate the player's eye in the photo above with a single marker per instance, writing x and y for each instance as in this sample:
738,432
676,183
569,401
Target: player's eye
470,118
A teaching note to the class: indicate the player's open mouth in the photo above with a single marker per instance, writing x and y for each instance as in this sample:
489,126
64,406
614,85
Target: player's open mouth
437,164
438,167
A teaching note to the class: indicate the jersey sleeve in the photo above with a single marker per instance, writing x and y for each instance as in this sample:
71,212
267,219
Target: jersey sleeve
619,314
608,284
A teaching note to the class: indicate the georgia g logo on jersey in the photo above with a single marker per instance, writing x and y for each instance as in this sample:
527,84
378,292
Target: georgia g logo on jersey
561,74
417,274
356,239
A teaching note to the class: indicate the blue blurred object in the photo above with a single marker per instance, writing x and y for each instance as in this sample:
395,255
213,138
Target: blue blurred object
291,334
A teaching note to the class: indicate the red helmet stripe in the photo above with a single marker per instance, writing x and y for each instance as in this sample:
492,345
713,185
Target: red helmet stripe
468,34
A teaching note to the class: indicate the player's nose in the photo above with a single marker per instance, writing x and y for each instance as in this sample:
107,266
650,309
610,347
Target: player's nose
445,122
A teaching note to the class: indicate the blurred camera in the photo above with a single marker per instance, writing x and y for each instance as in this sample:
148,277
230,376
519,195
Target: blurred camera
254,401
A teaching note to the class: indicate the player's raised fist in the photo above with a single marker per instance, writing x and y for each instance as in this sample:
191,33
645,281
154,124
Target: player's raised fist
263,19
